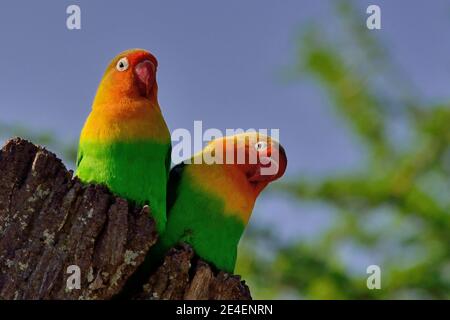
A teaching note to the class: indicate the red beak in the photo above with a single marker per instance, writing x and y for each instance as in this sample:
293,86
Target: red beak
145,77
271,168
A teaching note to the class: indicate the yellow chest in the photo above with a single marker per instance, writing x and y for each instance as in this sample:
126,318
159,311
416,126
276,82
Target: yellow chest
225,183
128,121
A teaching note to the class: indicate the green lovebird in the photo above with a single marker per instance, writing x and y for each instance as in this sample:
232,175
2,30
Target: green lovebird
211,199
125,143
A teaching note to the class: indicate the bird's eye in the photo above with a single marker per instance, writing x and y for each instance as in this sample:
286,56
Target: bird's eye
261,146
122,64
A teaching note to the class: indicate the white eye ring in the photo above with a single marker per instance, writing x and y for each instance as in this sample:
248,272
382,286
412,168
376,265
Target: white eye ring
122,64
261,146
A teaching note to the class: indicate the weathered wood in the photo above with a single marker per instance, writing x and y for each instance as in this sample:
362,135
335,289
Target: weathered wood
184,276
49,220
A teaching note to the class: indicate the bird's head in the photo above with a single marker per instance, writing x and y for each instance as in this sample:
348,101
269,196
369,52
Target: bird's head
130,76
259,158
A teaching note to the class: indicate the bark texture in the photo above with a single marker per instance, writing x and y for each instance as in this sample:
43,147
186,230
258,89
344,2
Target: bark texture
184,276
50,221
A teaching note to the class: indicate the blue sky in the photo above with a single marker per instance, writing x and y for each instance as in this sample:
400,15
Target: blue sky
219,61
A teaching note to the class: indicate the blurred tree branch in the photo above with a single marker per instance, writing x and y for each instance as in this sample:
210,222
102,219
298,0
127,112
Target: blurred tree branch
404,181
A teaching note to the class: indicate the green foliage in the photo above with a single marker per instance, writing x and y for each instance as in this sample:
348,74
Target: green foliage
406,181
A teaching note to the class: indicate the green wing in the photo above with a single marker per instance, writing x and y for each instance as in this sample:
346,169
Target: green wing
173,184
79,155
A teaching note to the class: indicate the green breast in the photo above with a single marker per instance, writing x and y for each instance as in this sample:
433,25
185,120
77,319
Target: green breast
136,171
198,218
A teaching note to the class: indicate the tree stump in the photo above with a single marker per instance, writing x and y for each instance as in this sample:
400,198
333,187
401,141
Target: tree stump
184,276
50,221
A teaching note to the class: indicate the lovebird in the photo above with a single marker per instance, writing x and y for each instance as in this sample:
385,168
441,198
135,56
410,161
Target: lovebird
125,143
210,204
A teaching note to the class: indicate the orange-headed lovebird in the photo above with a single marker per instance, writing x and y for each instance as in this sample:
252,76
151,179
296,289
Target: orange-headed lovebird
125,142
209,204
